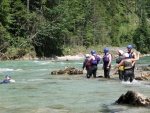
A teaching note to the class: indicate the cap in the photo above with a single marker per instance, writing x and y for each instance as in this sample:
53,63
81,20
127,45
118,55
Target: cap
121,52
8,75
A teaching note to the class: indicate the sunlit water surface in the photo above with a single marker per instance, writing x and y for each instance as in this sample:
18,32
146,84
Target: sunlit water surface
37,91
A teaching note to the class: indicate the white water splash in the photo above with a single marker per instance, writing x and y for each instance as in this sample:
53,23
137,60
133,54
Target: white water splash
35,79
44,63
8,69
134,82
5,69
43,69
35,61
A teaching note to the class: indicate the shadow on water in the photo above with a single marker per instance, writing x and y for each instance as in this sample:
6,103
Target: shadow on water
114,108
106,109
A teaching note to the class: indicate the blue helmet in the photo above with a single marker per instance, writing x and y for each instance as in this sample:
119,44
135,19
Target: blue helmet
8,75
106,50
129,46
93,52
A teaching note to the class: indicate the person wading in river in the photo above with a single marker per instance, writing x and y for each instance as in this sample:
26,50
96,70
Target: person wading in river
121,68
107,62
94,60
132,54
128,71
86,64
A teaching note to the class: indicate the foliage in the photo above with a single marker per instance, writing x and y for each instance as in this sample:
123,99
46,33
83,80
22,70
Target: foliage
52,26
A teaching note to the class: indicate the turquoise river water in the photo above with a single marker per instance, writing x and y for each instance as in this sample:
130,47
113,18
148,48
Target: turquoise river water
37,91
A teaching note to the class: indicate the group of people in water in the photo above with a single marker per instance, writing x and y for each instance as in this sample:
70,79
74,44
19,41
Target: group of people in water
125,63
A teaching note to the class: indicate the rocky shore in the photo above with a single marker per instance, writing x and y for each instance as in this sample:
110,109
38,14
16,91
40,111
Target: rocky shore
78,56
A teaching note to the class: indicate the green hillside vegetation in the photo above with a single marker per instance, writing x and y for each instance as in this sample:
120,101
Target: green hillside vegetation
59,27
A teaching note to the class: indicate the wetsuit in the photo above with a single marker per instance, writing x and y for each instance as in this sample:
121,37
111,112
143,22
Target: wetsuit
121,68
128,71
93,68
105,65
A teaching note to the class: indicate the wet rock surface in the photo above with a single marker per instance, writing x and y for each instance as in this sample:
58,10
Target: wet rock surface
67,70
144,76
134,98
144,68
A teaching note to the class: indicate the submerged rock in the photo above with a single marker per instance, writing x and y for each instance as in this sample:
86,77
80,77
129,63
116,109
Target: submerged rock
144,68
144,76
134,98
67,70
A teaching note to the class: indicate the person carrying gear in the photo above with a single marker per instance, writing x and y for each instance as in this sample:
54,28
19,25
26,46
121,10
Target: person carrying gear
86,63
107,62
128,71
132,54
94,60
121,68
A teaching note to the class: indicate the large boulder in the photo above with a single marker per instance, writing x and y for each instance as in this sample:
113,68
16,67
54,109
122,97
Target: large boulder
134,98
67,70
144,76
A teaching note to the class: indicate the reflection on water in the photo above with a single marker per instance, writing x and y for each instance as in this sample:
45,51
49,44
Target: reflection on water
36,91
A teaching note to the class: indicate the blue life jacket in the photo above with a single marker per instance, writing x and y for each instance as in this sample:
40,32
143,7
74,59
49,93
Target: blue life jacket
130,54
96,61
118,60
6,81
106,58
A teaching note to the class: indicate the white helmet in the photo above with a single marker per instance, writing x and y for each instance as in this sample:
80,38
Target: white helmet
87,55
121,52
126,55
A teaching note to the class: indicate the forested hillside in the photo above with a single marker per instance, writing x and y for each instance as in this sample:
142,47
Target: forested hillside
47,27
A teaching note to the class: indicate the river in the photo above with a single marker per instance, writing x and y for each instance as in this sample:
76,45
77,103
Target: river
37,91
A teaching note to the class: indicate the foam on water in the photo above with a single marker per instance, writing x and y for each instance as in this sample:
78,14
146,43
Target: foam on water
35,79
134,82
44,63
8,69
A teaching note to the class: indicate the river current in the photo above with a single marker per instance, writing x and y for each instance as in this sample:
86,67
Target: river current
37,91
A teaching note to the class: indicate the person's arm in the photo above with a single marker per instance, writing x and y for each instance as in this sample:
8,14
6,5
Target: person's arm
136,58
120,64
84,64
109,60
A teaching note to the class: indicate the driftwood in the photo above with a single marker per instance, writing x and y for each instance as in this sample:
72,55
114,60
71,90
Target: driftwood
134,98
68,70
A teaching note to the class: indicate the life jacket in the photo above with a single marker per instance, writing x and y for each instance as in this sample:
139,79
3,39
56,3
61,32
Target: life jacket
6,81
130,54
127,65
106,58
118,60
88,63
96,61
